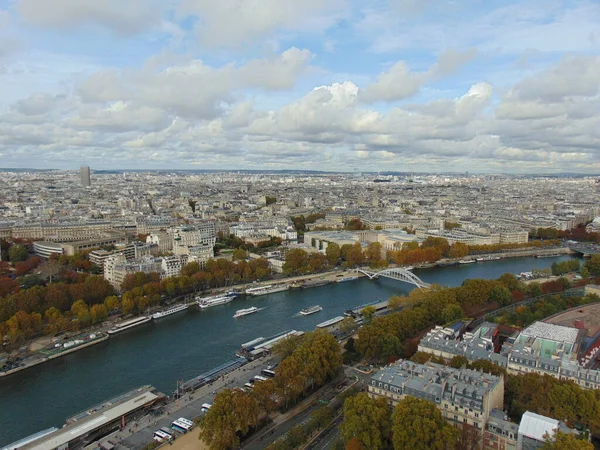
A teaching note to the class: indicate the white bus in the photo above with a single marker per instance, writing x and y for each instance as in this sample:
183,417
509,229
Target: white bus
160,436
259,378
268,373
206,407
181,426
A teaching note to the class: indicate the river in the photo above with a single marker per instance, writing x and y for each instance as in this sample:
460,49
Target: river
186,344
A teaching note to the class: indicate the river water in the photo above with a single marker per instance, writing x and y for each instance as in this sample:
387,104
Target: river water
187,344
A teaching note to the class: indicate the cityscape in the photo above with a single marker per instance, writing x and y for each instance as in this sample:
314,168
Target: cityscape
283,225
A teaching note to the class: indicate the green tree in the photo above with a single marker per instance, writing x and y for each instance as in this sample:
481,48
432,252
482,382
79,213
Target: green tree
500,295
563,441
459,361
333,253
510,281
451,312
368,312
418,425
592,265
366,420
585,273
17,253
321,417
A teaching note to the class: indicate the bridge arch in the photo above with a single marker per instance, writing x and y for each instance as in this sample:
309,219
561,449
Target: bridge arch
396,273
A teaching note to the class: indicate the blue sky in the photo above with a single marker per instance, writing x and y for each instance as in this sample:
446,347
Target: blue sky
484,86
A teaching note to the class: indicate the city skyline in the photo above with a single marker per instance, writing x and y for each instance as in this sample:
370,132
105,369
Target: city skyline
500,87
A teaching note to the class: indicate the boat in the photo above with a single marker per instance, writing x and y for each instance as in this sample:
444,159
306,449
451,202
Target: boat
168,312
446,263
245,312
312,284
487,258
342,280
330,322
269,289
311,310
129,324
208,302
466,261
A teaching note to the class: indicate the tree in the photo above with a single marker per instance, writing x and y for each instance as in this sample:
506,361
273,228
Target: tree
459,361
366,420
333,253
500,295
239,255
563,441
458,250
232,414
585,273
417,424
395,302
373,252
321,417
368,312
354,444
17,253
296,261
510,281
592,265
451,312
354,256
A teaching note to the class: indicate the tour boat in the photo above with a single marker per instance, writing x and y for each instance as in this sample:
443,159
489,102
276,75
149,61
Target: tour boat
311,310
245,312
168,312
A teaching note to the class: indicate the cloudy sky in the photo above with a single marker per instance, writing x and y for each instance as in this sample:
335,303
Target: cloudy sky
408,85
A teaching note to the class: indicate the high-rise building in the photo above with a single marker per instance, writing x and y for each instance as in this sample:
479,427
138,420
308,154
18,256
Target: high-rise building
84,173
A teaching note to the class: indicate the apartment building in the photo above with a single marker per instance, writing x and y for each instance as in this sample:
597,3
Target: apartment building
542,348
61,231
116,268
463,396
500,433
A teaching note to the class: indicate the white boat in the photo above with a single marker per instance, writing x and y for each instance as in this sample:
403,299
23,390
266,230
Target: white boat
487,258
208,302
129,324
269,289
342,280
466,261
168,312
311,310
245,312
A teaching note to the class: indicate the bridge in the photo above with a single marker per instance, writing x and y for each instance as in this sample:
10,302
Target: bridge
585,250
396,273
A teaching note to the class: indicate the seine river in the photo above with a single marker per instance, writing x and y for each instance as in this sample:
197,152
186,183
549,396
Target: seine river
187,344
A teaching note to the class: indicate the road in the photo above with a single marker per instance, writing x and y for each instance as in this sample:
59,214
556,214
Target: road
328,437
137,435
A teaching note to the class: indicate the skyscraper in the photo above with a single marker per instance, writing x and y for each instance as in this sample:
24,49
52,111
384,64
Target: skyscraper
84,173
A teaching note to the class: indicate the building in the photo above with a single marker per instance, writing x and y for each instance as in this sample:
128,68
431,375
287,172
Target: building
543,348
84,174
320,239
534,429
171,265
46,249
463,396
116,268
500,433
91,425
57,231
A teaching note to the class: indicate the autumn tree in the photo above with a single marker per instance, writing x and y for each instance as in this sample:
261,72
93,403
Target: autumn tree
500,295
354,256
367,420
368,312
296,261
232,414
417,424
458,250
239,254
592,265
563,441
333,253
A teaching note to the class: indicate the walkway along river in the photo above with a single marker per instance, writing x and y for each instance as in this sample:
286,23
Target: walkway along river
186,344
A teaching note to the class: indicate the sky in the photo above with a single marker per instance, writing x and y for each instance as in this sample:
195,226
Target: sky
483,86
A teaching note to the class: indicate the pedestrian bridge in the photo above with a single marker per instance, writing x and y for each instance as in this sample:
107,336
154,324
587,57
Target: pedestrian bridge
396,273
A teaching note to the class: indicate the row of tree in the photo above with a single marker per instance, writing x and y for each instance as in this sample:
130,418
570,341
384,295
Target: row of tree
562,267
383,338
314,359
298,261
578,234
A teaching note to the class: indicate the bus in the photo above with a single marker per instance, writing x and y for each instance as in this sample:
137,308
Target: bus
259,378
182,426
206,407
268,373
160,435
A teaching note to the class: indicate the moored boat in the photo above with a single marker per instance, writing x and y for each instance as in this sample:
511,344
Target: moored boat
168,312
269,289
208,302
342,280
466,261
129,324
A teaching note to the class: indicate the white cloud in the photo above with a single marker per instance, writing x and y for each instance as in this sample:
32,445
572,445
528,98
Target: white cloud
395,84
122,17
231,23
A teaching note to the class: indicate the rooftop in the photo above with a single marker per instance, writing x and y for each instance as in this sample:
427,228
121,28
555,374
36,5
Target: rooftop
551,332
